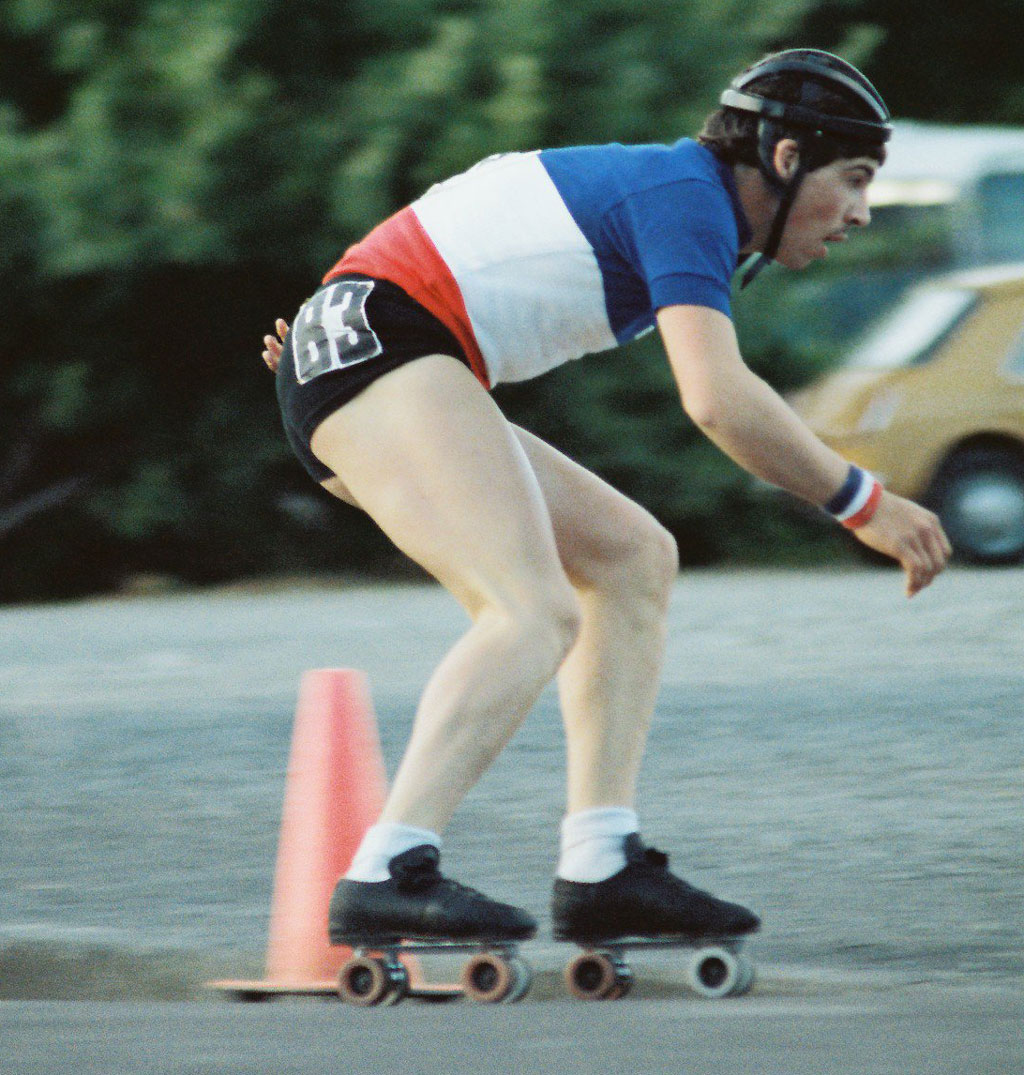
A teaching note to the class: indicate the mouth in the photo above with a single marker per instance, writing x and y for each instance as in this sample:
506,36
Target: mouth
835,237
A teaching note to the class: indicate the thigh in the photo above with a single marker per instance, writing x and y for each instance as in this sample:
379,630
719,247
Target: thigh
428,455
597,528
351,332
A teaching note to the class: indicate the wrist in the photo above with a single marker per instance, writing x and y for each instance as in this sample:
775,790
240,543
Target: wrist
857,500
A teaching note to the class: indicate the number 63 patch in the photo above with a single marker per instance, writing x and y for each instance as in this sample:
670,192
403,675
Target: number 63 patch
331,330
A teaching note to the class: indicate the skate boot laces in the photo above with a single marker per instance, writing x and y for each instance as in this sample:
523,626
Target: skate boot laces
417,872
637,854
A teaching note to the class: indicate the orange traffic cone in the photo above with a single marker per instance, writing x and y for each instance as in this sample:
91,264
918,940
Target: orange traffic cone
335,790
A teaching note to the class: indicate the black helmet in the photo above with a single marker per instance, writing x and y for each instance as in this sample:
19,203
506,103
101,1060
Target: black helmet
821,71
808,118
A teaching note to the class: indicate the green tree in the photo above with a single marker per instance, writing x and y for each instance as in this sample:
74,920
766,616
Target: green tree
174,176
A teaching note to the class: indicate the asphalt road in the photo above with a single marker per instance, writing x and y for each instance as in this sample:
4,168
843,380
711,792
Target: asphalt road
943,1033
846,762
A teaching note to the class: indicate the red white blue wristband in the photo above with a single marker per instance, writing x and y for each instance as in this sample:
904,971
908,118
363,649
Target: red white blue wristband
857,500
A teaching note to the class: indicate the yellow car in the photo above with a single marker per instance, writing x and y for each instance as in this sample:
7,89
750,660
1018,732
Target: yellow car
932,402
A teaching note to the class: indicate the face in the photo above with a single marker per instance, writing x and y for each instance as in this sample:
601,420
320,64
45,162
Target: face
831,200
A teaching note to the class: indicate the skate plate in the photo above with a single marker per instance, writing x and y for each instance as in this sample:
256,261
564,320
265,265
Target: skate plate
714,968
256,990
494,973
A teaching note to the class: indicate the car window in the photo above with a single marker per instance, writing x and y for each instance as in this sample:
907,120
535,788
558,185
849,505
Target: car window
1002,224
912,332
1015,360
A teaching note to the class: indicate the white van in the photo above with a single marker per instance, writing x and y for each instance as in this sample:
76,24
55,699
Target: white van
968,180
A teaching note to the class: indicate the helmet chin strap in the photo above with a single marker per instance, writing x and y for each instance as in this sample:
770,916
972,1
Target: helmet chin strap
788,191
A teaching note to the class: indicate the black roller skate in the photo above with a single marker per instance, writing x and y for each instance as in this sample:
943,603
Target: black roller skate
419,910
644,905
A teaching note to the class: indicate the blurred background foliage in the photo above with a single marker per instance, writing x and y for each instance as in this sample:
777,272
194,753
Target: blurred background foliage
173,176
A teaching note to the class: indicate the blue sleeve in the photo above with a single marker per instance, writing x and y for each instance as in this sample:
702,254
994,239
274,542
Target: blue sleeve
684,243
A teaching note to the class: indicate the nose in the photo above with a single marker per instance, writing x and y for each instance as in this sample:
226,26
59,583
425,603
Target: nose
860,215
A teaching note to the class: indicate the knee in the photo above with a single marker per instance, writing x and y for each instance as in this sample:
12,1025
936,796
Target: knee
661,558
546,627
556,623
644,567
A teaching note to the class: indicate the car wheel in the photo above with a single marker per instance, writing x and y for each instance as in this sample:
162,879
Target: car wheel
979,496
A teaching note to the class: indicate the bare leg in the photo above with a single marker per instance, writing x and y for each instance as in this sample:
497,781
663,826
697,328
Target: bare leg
623,565
427,454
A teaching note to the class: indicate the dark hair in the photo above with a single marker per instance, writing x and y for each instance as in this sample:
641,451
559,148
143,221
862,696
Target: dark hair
732,135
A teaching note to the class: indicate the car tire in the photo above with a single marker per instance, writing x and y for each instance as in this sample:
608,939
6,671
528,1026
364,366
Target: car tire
979,496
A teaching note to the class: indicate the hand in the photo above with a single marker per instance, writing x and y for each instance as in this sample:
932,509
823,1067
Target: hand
273,345
909,534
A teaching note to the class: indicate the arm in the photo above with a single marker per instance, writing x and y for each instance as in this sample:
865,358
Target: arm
755,427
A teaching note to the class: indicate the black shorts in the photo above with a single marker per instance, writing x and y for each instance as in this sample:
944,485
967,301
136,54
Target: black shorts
350,332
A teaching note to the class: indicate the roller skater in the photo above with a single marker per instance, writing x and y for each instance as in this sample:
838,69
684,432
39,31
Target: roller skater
525,262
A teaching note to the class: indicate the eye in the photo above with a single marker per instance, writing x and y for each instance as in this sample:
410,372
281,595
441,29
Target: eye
860,180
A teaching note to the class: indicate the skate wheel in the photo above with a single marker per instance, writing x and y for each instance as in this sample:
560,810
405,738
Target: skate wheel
623,982
598,976
489,978
747,976
717,972
523,980
366,981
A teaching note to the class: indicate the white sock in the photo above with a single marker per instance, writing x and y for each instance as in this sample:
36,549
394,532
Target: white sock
592,843
380,845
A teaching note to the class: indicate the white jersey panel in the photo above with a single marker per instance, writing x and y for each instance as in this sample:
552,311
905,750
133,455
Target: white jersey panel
528,276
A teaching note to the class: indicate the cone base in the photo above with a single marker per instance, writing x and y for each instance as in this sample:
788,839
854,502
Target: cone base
254,991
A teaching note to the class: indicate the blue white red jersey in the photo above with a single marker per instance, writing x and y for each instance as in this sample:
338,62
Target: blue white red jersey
534,259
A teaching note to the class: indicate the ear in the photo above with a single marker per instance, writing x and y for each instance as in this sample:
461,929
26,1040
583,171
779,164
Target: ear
786,157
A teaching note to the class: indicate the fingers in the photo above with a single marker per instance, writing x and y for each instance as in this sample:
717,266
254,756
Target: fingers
273,346
927,557
271,353
917,578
